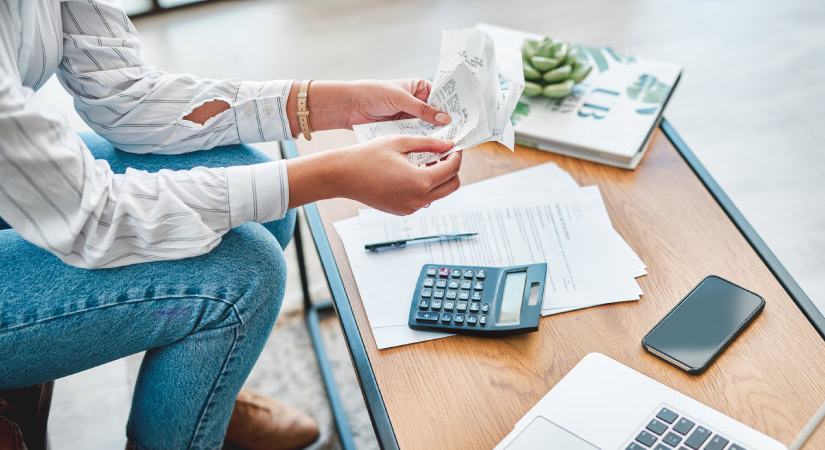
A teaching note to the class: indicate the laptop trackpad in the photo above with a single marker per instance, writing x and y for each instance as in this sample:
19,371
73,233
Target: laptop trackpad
543,434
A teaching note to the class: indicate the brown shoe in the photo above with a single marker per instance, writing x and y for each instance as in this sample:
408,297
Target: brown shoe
261,423
10,436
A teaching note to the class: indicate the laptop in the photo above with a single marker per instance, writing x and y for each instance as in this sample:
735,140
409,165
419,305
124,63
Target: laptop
602,404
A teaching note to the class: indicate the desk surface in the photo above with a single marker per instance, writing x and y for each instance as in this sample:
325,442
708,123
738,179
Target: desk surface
771,378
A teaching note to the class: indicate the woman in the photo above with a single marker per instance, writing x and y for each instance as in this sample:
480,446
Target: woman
189,245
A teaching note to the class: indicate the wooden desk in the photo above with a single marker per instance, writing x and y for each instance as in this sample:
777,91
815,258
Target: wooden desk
467,392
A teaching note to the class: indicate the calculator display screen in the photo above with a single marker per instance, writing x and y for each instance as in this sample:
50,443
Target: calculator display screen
509,312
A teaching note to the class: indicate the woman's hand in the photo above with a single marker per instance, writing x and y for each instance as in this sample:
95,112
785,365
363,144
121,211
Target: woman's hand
376,173
338,104
377,101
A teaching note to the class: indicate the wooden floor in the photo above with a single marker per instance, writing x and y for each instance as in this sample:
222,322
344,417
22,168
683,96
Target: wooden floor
751,103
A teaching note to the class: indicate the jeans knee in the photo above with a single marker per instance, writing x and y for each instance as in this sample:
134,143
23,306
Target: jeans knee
261,263
284,228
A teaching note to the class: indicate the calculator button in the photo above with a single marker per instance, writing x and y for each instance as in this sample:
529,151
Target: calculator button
440,283
717,443
667,415
423,303
485,308
475,307
482,319
464,295
683,426
458,318
431,271
429,282
481,274
456,273
656,427
451,295
468,274
466,284
435,304
426,292
479,285
672,439
426,316
444,272
476,296
461,306
646,438
697,438
449,305
453,284
438,293
446,317
472,319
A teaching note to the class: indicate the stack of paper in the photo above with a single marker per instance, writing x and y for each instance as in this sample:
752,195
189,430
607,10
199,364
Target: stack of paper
477,83
535,215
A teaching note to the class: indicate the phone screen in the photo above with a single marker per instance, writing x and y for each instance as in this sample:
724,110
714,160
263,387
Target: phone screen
698,327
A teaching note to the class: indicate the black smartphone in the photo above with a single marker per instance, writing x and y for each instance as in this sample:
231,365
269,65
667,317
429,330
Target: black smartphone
703,324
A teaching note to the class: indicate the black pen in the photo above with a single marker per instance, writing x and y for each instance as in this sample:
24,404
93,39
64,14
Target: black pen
401,243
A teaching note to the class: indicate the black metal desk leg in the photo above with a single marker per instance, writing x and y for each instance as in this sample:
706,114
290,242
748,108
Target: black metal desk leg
312,311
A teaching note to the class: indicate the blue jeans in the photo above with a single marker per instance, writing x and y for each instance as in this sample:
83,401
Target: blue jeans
203,321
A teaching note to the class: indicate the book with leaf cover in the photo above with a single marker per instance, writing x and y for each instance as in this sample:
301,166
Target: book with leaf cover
608,118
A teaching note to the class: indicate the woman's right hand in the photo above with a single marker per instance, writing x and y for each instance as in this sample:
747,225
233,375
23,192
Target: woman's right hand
376,173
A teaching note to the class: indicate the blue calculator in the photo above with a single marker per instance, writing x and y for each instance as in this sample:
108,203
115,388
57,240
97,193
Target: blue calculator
482,301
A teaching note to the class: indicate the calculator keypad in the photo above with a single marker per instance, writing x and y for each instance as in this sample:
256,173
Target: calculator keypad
452,296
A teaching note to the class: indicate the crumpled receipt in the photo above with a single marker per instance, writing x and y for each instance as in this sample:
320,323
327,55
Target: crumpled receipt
478,83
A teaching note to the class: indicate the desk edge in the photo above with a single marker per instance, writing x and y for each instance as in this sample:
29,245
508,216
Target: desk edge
358,353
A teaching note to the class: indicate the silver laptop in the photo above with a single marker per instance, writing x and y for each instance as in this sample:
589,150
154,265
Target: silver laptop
602,404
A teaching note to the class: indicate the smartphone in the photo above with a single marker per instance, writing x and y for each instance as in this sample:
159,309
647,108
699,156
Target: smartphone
698,329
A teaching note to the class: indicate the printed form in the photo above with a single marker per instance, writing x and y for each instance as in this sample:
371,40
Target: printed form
478,83
561,224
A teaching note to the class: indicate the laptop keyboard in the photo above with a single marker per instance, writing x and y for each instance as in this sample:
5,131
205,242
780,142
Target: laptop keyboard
669,430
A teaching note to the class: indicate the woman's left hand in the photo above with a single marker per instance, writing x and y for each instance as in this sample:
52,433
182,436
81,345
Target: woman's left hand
378,101
342,104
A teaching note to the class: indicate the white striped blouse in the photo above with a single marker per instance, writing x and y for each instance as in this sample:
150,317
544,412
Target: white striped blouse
57,196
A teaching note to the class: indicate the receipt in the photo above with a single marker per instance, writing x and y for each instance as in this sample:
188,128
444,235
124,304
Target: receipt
478,83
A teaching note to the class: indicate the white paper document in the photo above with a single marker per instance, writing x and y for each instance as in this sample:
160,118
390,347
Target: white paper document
534,215
478,83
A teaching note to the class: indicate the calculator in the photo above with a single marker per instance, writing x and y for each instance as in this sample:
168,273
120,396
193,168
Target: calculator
482,301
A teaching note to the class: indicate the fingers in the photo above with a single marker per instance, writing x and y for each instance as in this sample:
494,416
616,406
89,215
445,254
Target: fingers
417,144
418,108
444,189
444,170
421,89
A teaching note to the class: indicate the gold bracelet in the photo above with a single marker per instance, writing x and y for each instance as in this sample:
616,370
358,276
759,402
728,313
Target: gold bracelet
303,110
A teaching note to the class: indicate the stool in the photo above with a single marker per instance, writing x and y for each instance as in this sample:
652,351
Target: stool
29,408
